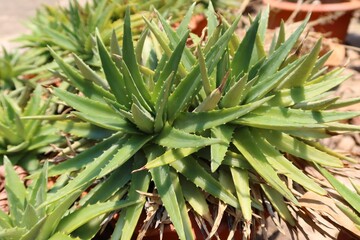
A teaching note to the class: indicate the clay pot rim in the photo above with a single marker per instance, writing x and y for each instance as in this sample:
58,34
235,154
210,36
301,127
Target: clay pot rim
324,7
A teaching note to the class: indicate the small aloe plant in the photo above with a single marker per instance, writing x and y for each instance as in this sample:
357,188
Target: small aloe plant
12,66
69,29
21,139
32,216
223,120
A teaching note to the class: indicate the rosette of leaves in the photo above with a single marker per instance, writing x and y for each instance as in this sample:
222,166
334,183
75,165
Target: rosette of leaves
69,29
226,119
22,139
31,216
12,66
66,29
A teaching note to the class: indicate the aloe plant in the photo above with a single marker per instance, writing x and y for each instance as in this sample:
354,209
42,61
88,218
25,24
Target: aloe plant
33,217
222,121
12,66
69,29
20,139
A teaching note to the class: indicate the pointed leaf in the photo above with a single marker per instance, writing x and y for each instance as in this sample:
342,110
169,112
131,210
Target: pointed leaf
351,197
196,198
170,156
211,101
140,45
79,217
281,38
194,172
88,88
33,231
273,117
284,166
125,152
12,233
82,129
113,75
174,138
241,182
288,97
276,199
348,212
218,151
130,58
291,145
170,67
272,64
240,63
183,27
246,144
188,58
203,71
107,123
30,217
169,189
161,103
190,85
39,189
303,72
260,90
85,178
5,221
106,189
15,189
82,159
114,44
320,63
132,87
211,19
55,216
200,121
90,74
86,105
235,94
344,103
142,118
139,182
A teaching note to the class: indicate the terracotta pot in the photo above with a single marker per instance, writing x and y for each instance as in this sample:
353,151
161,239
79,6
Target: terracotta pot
336,28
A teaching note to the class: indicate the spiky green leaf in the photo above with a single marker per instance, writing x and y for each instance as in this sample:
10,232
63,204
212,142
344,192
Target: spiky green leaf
246,144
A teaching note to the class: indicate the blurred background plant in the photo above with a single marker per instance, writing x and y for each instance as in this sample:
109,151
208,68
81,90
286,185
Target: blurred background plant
12,66
33,216
23,140
70,29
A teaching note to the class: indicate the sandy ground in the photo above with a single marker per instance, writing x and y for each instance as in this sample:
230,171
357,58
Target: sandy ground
14,13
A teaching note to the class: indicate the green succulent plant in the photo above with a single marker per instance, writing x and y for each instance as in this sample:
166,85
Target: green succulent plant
69,29
12,66
21,139
66,29
226,120
32,216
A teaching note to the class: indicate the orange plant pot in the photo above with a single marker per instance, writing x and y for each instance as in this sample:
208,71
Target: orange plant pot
341,10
